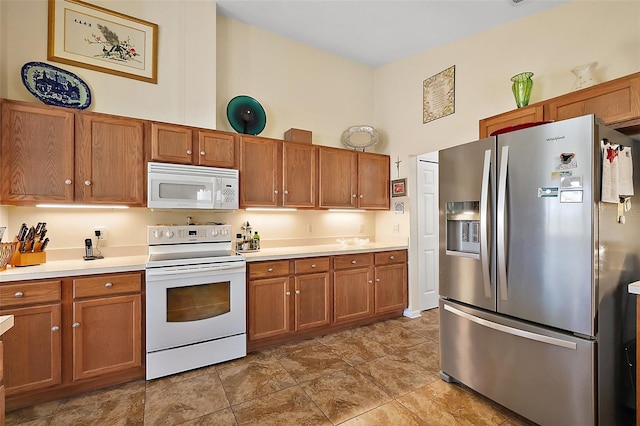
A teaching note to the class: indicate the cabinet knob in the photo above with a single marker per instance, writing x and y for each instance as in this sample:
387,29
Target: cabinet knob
270,270
288,293
361,196
55,328
275,191
377,280
297,291
286,192
392,257
87,182
108,285
189,152
68,182
19,294
75,325
313,265
353,195
202,153
353,262
370,282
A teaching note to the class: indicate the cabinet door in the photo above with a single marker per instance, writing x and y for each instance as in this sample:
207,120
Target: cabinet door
614,101
338,178
390,288
37,153
109,160
299,175
269,306
171,143
373,181
522,115
216,149
352,294
107,335
260,172
32,356
312,301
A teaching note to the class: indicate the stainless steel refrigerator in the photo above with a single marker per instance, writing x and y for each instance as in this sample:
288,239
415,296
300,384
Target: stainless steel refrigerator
534,309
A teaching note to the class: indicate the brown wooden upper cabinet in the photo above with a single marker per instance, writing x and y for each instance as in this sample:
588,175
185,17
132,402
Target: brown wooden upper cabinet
58,155
187,145
350,179
616,102
275,173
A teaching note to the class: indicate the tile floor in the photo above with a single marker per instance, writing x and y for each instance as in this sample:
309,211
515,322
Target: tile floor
380,374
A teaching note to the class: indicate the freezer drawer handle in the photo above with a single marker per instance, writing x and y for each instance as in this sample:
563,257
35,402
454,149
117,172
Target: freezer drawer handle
510,330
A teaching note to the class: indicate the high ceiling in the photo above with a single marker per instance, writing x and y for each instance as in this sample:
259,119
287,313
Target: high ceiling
377,32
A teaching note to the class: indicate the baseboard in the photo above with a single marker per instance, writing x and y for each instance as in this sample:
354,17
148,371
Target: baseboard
411,314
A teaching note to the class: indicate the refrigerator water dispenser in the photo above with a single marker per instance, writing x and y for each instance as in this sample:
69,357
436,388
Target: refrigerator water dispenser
463,227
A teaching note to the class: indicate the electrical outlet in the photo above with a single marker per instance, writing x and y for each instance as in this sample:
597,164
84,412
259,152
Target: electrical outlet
102,230
361,228
309,230
396,228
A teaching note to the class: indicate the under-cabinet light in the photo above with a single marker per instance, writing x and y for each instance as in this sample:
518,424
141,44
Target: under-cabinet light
347,210
81,206
270,209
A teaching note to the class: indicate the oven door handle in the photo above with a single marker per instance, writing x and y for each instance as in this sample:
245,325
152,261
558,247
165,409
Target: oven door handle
163,272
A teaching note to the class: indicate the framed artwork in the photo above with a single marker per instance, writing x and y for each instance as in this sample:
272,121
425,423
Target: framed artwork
88,36
399,187
438,95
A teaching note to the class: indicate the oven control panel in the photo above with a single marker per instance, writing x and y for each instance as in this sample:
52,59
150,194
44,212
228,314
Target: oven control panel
189,234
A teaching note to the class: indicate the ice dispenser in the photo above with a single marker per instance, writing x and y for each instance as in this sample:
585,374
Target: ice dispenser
463,227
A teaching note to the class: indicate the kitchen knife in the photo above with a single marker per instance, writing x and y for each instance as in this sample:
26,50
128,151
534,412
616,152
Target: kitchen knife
29,240
22,233
39,228
44,244
42,234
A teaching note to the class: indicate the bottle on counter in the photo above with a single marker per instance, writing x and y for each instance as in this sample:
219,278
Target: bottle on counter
256,241
239,242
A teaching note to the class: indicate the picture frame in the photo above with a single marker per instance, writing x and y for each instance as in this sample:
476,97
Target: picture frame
91,37
439,95
399,187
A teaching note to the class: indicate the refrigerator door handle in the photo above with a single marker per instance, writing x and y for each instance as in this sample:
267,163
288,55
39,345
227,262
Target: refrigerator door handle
501,217
484,243
513,331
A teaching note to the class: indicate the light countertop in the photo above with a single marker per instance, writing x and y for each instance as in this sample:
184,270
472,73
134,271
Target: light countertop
66,268
296,252
634,287
6,322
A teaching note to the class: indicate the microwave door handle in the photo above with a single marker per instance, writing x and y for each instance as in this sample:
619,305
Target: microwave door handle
502,223
484,217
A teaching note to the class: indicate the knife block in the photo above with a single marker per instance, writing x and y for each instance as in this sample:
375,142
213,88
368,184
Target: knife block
28,258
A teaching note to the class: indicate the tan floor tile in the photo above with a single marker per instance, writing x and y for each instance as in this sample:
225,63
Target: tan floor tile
345,394
426,355
391,413
248,380
23,415
175,378
394,335
312,362
396,375
447,404
101,396
287,407
172,403
123,410
282,350
354,346
41,421
218,418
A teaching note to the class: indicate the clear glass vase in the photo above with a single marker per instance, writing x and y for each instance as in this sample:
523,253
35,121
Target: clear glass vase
584,76
521,88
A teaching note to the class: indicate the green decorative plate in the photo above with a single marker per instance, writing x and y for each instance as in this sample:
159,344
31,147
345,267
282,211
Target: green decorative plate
246,115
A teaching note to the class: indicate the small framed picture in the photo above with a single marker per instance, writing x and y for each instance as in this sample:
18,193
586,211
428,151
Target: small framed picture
399,187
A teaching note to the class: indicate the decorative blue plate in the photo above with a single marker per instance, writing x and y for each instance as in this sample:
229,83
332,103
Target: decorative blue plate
55,86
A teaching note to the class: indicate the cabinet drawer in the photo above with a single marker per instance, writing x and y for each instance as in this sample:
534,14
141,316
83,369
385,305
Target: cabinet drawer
316,264
29,293
352,260
106,285
386,257
268,269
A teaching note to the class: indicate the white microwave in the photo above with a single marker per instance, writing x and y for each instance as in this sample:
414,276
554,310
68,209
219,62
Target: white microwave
179,186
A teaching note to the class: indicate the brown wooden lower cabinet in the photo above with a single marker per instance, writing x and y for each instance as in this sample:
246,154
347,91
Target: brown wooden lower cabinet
290,300
71,335
1,386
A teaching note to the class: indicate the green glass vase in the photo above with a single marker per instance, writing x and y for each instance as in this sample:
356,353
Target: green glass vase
521,88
